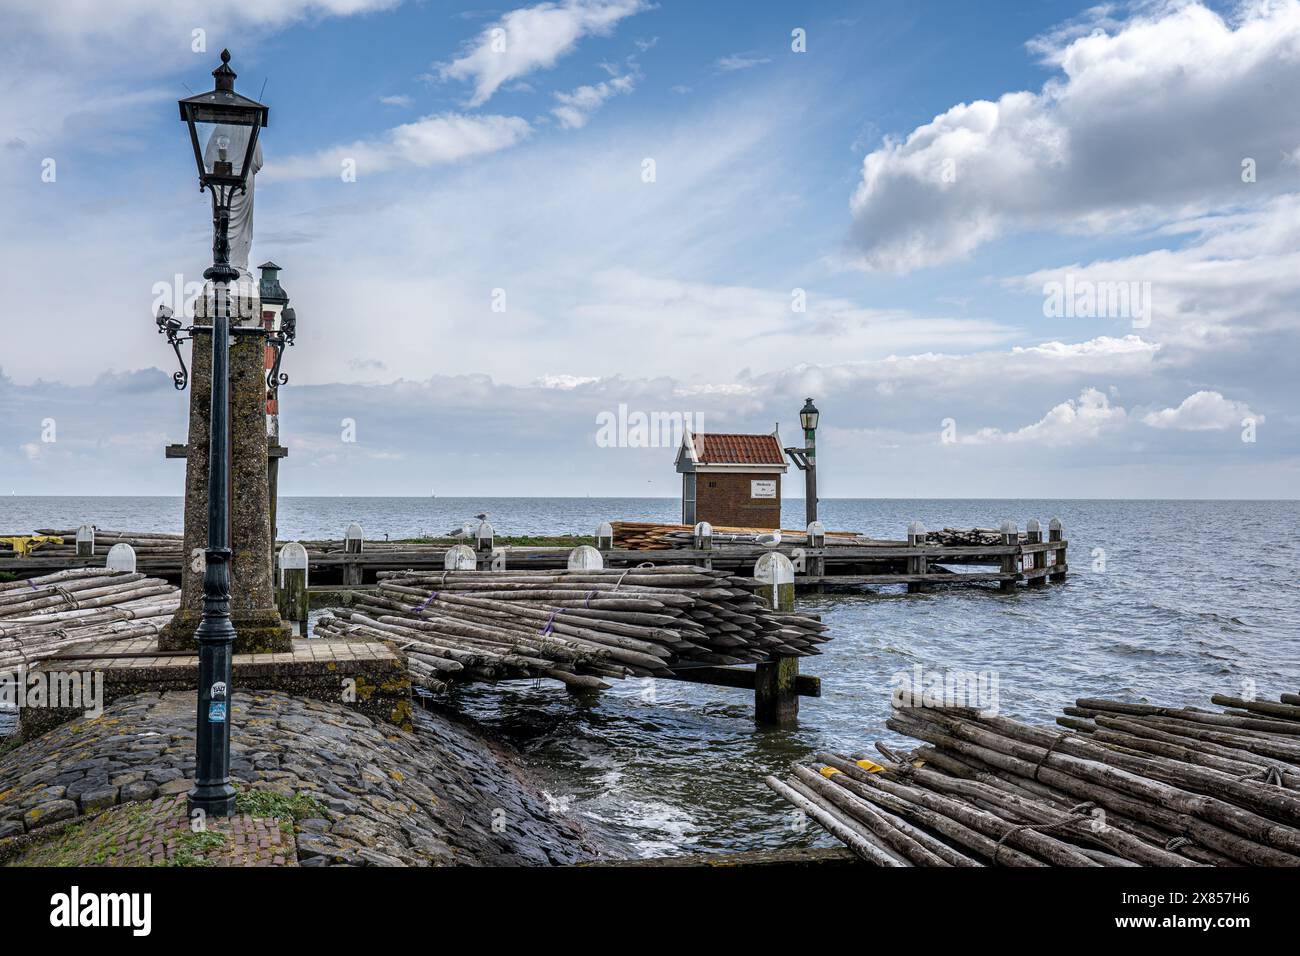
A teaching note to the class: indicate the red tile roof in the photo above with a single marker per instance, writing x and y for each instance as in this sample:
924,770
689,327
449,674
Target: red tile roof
718,449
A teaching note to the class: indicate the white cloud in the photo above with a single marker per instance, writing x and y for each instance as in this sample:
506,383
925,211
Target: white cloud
396,100
532,38
565,382
1083,419
719,388
1236,279
431,141
78,21
576,107
740,61
1117,141
1203,411
1105,348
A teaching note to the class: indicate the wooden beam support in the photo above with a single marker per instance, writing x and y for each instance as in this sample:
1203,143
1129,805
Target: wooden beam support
743,678
776,699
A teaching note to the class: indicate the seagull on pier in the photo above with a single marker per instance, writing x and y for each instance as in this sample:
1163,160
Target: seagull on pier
769,540
468,529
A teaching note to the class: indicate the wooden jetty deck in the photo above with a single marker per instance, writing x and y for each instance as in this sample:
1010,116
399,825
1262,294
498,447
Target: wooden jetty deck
1031,559
814,561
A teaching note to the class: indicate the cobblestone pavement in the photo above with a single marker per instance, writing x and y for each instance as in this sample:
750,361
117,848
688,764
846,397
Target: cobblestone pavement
366,793
158,833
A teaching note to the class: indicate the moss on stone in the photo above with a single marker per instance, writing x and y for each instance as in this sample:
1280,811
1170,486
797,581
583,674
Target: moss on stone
192,849
272,805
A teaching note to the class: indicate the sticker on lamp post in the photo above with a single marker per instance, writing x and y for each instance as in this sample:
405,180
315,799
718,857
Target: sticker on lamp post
217,712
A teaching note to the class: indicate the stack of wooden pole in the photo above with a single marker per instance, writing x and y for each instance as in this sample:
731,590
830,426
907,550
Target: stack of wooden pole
47,615
966,537
147,544
1123,785
650,536
578,627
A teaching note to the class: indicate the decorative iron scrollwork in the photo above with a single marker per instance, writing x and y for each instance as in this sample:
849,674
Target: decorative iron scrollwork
278,340
170,326
178,333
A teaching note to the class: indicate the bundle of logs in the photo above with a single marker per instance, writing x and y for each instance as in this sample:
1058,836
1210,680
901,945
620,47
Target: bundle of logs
43,616
1124,785
147,544
649,536
966,537
577,627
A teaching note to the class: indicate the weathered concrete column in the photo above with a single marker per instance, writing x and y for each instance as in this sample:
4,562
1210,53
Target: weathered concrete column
252,592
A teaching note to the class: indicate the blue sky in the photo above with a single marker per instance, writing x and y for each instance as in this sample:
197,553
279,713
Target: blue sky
920,176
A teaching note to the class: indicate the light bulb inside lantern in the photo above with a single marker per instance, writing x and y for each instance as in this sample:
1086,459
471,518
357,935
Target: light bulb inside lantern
223,146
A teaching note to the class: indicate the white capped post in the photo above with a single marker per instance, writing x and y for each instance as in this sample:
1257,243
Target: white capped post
121,557
293,598
585,558
459,557
86,541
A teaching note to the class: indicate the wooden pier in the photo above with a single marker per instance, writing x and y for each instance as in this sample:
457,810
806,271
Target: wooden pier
344,574
1032,558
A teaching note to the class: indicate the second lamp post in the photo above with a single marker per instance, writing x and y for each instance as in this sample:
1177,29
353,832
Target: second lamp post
805,458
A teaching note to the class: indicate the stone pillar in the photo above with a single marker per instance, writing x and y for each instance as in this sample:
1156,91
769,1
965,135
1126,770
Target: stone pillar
252,593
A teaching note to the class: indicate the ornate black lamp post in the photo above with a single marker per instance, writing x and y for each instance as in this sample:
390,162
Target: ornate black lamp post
228,124
806,458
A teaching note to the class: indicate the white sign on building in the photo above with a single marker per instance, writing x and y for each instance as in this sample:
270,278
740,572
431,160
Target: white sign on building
762,489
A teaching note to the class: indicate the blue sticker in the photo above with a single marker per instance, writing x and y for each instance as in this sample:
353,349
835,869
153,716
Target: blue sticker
217,711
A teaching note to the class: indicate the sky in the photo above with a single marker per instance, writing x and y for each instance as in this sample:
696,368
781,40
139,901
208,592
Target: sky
1011,249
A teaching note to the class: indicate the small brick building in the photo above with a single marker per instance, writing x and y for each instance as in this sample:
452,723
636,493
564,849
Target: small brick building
731,480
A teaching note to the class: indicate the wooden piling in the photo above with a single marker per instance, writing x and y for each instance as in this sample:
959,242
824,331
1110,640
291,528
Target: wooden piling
776,572
353,542
459,557
776,692
293,595
85,541
704,542
353,539
483,547
1034,535
585,558
815,555
916,564
776,695
1056,532
1010,562
121,557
